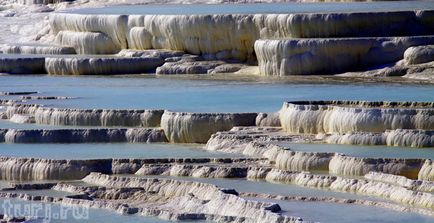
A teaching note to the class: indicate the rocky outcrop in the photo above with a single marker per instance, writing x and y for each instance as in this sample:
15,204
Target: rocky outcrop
355,116
427,171
88,117
268,119
419,54
182,67
325,56
83,135
354,166
181,127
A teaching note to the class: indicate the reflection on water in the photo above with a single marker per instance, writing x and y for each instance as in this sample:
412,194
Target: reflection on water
199,95
107,150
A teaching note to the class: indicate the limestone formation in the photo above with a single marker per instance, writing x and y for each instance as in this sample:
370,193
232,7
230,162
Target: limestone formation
331,56
101,65
83,135
419,54
88,117
22,65
181,127
354,116
37,49
427,171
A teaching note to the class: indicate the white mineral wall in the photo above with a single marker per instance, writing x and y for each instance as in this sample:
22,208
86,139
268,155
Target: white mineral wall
22,65
332,55
84,135
12,49
298,161
101,66
398,137
235,35
87,42
313,119
419,54
356,166
183,127
418,185
114,26
193,170
220,204
427,171
88,117
388,191
25,169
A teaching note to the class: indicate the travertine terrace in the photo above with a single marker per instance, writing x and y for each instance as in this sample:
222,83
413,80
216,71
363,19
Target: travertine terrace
235,111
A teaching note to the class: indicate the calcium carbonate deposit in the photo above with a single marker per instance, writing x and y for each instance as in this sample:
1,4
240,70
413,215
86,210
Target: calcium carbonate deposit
230,111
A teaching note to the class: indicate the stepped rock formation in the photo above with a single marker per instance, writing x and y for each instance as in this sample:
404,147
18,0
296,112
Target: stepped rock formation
97,66
233,36
398,137
88,117
417,185
82,135
195,170
314,117
326,56
391,192
190,197
27,169
22,65
354,166
181,127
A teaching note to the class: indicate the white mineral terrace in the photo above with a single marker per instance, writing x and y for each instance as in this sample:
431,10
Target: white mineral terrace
230,111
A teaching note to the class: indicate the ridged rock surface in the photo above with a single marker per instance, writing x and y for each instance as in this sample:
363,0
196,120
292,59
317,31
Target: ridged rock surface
427,171
25,169
355,116
194,170
183,127
88,117
24,65
83,135
398,137
418,185
355,166
38,49
189,197
234,35
419,54
330,56
101,66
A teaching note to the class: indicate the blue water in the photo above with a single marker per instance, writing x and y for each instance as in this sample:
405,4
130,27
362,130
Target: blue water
106,150
144,92
335,213
60,213
366,151
258,8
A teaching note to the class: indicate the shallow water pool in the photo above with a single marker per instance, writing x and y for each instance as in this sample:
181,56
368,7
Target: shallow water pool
107,150
144,92
335,213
